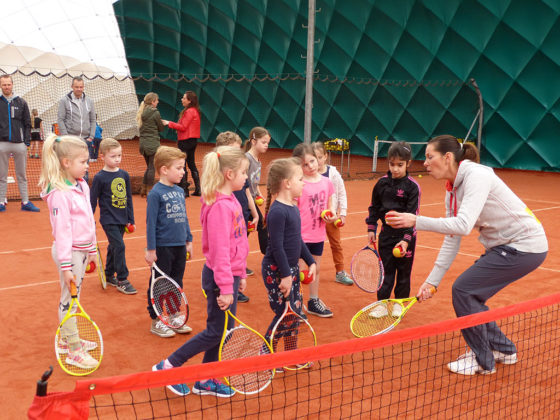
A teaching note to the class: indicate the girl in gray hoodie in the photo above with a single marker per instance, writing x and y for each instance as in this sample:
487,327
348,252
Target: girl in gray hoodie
514,240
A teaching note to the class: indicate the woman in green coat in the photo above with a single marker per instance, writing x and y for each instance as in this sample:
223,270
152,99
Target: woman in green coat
150,124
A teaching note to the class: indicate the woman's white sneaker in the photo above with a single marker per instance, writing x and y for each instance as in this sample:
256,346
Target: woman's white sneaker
466,364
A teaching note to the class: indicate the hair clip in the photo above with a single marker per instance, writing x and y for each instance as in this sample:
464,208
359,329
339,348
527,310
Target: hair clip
57,139
218,155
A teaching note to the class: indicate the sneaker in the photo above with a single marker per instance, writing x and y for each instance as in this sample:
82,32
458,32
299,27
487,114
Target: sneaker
179,320
249,272
86,345
241,298
36,155
179,389
297,366
506,359
342,278
2,207
81,359
213,387
160,329
397,310
111,281
29,206
466,364
125,287
379,311
317,307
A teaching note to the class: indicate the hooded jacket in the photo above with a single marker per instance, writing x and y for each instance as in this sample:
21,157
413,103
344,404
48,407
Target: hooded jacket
15,121
224,240
76,116
480,199
149,130
73,225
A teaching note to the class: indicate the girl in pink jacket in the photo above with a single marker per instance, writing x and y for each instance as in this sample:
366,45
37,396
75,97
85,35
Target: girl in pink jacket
225,246
65,161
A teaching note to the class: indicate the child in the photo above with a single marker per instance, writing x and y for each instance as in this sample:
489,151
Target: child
167,228
111,187
255,146
96,142
340,204
37,134
65,160
225,246
394,191
229,138
280,270
316,196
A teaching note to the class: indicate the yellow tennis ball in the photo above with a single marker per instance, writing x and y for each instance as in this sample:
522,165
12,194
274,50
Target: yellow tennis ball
420,176
398,251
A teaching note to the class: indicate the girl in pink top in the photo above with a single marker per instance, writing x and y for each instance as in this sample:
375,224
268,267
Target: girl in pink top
188,134
65,161
317,196
225,246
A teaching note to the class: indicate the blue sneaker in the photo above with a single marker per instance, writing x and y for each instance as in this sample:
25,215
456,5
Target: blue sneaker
213,387
179,389
29,206
2,207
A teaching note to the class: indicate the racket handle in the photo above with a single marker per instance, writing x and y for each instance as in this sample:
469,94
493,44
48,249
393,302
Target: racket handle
73,289
433,290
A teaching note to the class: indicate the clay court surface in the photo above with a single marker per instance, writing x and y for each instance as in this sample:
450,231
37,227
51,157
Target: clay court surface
30,289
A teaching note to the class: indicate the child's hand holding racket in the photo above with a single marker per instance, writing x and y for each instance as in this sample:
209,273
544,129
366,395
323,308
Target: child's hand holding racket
286,285
150,256
189,250
68,277
224,301
425,292
372,237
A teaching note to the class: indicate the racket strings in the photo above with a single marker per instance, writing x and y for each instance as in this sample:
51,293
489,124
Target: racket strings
376,319
366,270
79,345
169,303
241,343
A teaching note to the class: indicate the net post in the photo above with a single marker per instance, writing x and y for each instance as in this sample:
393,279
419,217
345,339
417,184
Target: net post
480,112
375,151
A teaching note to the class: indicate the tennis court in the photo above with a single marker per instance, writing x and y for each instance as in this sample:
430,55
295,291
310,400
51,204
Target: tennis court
30,293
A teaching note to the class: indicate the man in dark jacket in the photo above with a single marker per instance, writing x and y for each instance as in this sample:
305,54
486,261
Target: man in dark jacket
15,136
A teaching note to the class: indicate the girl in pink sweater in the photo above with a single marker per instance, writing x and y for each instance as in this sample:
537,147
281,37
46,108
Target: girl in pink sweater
65,161
225,246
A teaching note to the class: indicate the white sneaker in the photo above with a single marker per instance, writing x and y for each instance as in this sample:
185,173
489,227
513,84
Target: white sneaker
466,364
160,329
86,345
178,324
397,310
379,311
81,359
506,359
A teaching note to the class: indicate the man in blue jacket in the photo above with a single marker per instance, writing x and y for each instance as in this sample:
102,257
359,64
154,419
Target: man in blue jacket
15,136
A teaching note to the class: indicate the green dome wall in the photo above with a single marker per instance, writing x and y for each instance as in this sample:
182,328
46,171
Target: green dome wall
393,69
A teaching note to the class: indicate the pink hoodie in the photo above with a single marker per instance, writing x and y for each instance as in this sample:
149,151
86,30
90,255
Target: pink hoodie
224,240
73,225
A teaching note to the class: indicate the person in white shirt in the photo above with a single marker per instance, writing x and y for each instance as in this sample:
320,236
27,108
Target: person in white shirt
514,240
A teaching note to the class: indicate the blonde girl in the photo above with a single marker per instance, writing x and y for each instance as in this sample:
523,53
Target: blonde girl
317,196
65,162
280,270
36,134
340,204
225,247
149,124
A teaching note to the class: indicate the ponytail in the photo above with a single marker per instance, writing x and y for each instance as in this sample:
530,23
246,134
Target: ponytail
148,100
55,148
461,151
214,164
278,171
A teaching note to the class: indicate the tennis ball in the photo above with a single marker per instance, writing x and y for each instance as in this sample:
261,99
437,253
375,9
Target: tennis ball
304,277
90,267
326,213
259,201
188,255
398,251
129,228
420,176
250,226
338,223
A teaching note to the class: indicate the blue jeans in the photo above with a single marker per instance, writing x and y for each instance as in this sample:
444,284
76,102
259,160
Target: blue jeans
207,341
115,262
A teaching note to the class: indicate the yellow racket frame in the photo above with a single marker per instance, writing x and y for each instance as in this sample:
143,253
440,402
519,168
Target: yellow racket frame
101,268
74,305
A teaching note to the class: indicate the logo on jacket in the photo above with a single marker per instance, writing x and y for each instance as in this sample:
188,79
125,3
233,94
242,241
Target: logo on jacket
400,193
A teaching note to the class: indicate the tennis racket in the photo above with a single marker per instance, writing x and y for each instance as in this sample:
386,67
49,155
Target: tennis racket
381,316
101,269
78,343
292,331
168,299
367,268
242,341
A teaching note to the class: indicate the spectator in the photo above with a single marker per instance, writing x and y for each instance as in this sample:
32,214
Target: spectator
94,145
76,114
37,134
15,136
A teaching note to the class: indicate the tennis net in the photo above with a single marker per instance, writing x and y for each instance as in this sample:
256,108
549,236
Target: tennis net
399,374
380,163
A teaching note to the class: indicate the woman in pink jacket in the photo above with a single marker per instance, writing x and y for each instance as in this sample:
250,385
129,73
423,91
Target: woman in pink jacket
188,134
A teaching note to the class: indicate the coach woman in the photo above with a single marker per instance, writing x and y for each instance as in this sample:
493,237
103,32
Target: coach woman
514,241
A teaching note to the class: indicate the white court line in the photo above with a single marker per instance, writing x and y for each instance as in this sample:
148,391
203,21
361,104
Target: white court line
256,252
